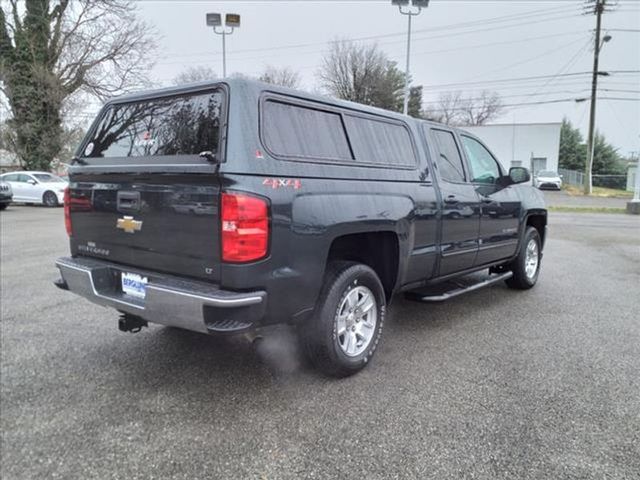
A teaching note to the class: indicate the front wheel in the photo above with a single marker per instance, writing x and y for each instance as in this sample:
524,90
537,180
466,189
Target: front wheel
347,324
526,266
50,199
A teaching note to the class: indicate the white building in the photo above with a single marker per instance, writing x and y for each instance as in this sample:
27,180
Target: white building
532,145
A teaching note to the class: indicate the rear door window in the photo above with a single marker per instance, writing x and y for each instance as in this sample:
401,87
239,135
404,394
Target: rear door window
449,160
304,132
167,126
380,142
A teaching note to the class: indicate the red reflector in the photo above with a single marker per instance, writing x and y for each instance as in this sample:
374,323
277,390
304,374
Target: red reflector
244,225
67,213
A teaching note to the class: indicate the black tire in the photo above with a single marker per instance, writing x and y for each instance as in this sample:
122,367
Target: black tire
50,199
3,206
320,338
521,280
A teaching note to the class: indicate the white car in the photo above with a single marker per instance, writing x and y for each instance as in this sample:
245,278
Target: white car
547,179
36,187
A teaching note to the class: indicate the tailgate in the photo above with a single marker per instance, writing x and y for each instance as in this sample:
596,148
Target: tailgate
156,222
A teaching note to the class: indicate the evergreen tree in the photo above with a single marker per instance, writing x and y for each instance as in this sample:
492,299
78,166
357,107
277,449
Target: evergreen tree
573,152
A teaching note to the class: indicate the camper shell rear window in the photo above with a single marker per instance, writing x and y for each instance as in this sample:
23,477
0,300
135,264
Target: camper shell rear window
155,128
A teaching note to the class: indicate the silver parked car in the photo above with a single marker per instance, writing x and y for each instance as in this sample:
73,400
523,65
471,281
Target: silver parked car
547,179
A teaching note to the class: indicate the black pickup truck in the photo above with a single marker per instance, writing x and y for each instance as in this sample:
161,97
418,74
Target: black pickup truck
227,207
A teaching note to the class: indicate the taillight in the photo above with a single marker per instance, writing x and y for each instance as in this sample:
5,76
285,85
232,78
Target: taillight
245,228
67,213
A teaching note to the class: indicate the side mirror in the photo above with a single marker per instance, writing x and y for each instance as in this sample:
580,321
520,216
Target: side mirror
519,175
32,182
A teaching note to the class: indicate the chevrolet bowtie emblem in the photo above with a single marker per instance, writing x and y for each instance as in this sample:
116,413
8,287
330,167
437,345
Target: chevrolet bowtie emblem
129,225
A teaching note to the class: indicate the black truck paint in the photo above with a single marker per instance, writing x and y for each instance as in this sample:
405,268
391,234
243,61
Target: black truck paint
407,223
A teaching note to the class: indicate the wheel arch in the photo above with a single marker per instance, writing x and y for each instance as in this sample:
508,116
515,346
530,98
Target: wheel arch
380,250
538,220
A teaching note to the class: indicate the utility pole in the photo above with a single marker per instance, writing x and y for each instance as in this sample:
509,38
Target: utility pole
598,9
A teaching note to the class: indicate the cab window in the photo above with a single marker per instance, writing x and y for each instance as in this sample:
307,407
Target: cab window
484,168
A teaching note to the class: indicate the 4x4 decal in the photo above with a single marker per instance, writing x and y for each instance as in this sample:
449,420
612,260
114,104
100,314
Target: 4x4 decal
282,183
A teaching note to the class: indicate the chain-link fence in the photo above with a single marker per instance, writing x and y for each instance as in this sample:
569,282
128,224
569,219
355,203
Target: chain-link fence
573,177
617,182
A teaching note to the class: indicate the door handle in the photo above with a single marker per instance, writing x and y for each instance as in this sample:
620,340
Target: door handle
451,199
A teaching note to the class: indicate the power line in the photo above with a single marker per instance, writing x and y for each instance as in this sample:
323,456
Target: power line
376,37
417,52
528,104
620,99
566,92
522,79
555,92
619,91
565,67
506,80
531,59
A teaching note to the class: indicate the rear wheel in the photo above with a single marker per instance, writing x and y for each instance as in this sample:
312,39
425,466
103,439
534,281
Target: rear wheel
3,206
50,199
526,266
345,330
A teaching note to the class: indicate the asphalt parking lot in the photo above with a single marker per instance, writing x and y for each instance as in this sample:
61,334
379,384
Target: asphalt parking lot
496,384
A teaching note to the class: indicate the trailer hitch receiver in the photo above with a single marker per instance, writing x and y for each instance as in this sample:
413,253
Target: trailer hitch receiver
131,323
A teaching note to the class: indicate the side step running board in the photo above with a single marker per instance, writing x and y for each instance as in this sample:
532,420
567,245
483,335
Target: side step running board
458,291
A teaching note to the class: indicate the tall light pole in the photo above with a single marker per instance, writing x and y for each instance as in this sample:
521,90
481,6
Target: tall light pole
420,4
231,21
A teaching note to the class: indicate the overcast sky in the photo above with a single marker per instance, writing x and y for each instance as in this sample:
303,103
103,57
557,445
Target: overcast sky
457,45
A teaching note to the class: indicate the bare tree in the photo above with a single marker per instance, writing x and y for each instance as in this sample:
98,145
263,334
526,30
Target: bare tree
448,109
286,77
361,73
480,110
51,50
454,108
195,74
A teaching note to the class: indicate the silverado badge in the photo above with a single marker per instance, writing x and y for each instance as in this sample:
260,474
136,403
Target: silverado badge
129,225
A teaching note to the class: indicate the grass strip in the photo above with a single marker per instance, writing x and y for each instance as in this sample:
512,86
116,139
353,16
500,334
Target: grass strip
562,208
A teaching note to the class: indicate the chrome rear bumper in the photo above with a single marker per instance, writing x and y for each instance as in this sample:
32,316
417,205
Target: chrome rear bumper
171,301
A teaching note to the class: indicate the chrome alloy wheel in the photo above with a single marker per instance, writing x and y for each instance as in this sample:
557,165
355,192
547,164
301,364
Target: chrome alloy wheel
355,321
531,259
